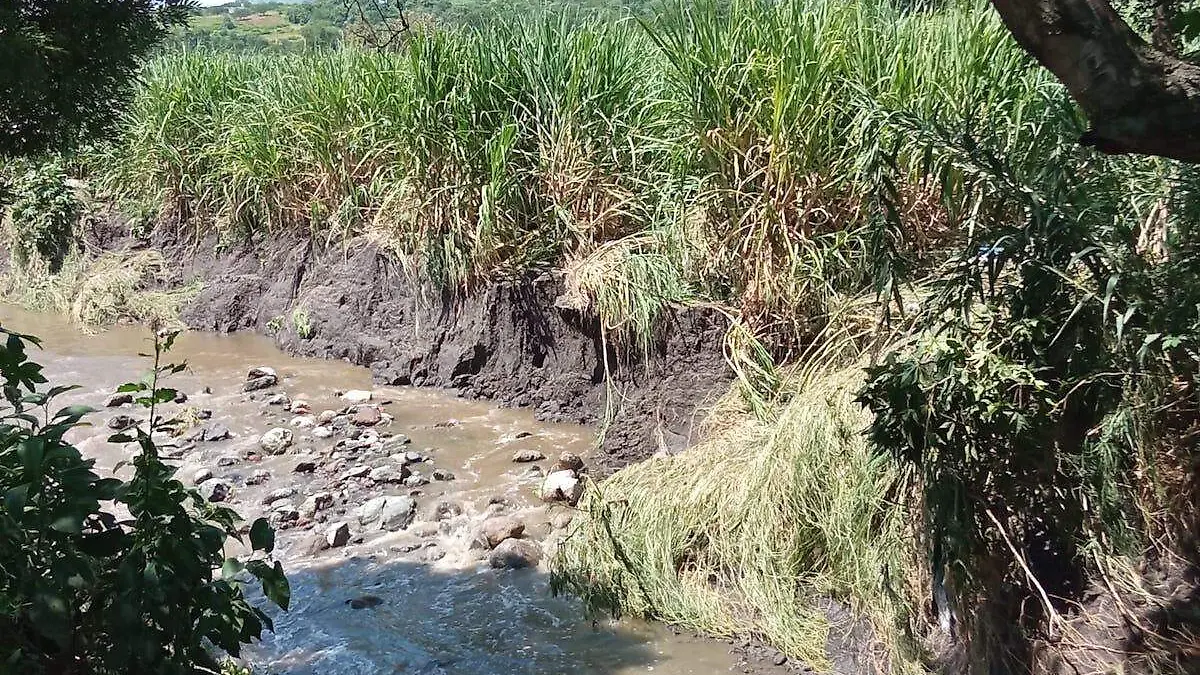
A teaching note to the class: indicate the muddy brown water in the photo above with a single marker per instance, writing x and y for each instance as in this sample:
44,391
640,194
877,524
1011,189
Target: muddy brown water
435,606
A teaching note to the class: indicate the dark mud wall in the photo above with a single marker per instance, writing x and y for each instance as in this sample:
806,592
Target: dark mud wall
507,341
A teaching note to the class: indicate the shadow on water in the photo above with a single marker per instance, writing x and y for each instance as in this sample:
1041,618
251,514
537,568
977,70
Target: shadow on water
355,615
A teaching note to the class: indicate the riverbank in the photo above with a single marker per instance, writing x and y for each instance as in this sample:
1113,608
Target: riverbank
514,342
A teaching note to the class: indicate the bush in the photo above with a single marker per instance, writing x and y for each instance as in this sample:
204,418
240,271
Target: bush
42,213
85,590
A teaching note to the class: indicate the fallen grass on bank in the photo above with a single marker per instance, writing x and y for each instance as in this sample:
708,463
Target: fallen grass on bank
750,531
100,291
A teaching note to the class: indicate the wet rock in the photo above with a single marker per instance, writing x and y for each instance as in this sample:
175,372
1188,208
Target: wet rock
259,477
433,554
568,461
119,399
443,510
306,466
326,417
278,495
389,474
535,471
399,439
522,456
215,490
416,480
300,407
180,397
316,503
121,422
365,602
515,554
261,371
495,530
367,416
413,457
284,515
357,396
442,474
424,530
338,535
315,544
446,424
322,432
561,486
261,382
522,434
360,471
302,422
201,476
276,441
227,460
387,513
217,432
204,414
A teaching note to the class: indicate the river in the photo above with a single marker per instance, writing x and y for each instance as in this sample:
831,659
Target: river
421,599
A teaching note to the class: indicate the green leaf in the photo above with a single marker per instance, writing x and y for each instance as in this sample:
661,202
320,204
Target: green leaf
276,587
74,413
231,568
262,537
131,387
15,498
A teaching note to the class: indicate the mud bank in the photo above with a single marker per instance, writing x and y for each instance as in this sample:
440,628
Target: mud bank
507,341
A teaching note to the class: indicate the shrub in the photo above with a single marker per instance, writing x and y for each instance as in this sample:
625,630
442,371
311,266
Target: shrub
41,216
84,590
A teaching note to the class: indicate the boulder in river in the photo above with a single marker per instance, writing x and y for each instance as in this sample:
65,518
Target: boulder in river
387,513
121,422
338,535
357,396
215,490
497,529
260,377
302,422
562,486
279,495
390,474
279,399
300,407
325,417
322,432
119,399
367,416
201,476
568,461
515,554
318,502
259,477
443,474
216,432
305,466
522,456
276,441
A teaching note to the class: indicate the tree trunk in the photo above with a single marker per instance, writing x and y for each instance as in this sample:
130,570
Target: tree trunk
1138,99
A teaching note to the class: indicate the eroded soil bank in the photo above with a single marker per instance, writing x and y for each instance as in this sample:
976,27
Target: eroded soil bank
509,341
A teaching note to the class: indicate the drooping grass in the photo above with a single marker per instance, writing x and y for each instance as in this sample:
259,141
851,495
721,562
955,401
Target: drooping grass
98,292
746,532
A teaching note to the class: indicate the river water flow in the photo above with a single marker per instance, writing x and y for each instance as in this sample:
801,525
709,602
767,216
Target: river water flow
419,598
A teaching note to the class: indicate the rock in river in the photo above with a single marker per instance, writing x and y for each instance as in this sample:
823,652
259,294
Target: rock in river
356,396
215,490
500,528
121,422
276,441
562,486
119,399
515,554
338,535
261,377
367,416
201,476
528,456
387,513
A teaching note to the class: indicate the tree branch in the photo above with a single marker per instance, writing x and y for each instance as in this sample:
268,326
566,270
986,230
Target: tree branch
1138,98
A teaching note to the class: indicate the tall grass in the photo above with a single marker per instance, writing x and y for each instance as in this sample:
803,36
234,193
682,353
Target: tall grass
734,146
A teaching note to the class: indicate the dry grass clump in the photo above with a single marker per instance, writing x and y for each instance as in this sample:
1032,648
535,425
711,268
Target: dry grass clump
747,532
96,292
